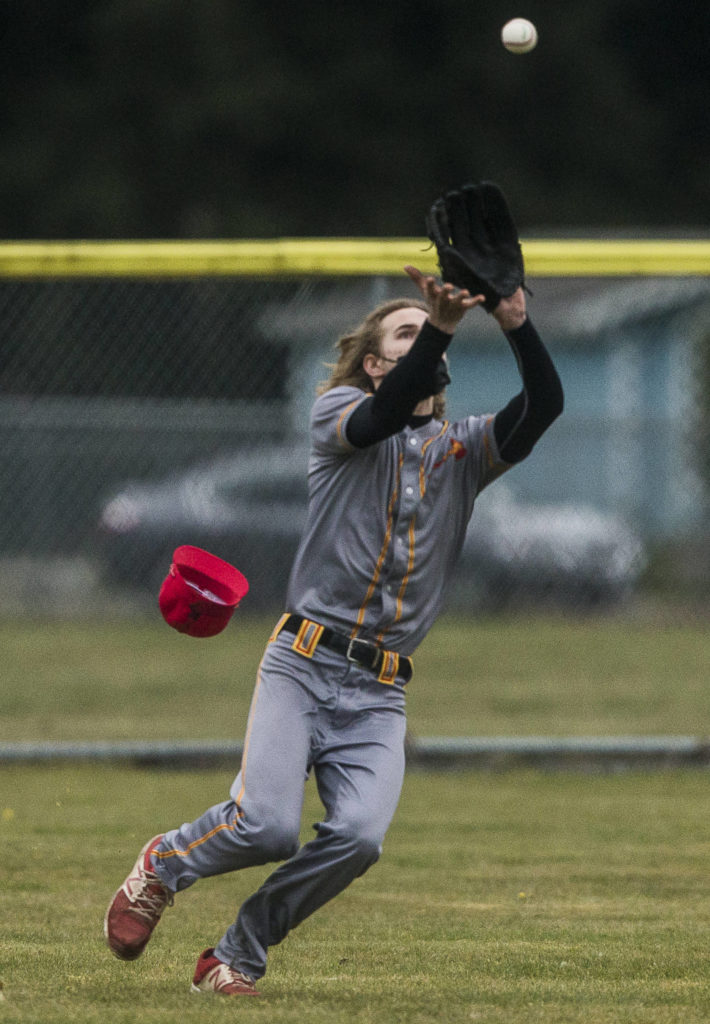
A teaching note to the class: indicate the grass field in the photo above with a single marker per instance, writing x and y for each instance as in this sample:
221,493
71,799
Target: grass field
501,898
517,676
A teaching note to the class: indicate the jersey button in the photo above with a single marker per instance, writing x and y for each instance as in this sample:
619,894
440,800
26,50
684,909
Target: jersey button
413,441
409,490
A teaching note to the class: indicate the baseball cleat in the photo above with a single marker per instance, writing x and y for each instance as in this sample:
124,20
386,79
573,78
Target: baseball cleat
212,975
136,908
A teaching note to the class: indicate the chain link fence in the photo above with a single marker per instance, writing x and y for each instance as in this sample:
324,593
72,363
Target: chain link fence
137,414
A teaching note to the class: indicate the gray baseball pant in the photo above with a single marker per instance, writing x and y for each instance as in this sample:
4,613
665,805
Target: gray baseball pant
323,713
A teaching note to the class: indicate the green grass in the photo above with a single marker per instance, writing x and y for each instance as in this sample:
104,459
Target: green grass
499,898
521,676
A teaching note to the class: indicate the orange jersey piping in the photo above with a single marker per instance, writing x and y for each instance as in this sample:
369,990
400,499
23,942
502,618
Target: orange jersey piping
383,552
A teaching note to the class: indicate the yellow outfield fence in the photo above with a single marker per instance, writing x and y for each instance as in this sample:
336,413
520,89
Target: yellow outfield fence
338,257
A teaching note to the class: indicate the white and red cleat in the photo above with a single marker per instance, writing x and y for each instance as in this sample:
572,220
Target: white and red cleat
136,908
212,975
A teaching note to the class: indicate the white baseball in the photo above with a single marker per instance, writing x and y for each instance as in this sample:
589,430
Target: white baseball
519,35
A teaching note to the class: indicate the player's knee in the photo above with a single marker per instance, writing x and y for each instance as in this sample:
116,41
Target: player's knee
277,840
360,844
367,850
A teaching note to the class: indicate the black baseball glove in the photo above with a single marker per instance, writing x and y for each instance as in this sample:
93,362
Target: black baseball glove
477,242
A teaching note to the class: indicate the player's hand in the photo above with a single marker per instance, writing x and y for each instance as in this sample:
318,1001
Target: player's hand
447,304
511,312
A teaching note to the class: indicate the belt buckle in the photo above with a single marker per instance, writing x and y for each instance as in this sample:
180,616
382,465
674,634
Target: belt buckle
350,656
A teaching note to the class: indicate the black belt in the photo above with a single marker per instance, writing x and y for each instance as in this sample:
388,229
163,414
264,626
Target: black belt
388,665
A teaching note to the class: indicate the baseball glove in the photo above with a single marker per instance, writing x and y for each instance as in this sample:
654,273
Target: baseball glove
477,242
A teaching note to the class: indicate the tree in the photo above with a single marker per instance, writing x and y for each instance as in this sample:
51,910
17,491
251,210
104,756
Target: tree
145,118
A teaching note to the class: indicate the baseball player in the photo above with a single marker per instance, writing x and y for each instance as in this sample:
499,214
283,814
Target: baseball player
392,486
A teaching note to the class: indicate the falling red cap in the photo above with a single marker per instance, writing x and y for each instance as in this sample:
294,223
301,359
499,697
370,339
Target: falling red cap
200,592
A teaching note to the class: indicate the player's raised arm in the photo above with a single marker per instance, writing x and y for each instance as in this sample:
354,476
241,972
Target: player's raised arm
478,250
527,416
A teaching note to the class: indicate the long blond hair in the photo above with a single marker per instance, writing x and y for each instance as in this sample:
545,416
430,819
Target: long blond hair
363,340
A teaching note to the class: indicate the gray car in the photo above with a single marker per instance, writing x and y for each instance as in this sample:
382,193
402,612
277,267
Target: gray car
250,509
565,554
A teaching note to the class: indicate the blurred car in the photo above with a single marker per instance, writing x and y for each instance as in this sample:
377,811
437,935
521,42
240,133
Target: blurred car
250,509
571,555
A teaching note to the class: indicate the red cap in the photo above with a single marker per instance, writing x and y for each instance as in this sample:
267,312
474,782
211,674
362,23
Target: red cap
200,592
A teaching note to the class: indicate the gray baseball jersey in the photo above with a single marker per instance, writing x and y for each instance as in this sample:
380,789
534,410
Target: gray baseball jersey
386,523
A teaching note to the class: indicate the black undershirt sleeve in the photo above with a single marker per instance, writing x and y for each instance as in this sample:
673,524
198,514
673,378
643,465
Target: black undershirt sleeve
517,427
390,408
526,417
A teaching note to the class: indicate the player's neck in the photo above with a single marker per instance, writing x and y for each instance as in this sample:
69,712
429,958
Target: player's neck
425,407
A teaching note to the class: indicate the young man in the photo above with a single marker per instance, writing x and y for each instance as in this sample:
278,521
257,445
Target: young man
392,486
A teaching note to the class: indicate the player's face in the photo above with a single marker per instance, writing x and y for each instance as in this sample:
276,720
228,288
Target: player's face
398,331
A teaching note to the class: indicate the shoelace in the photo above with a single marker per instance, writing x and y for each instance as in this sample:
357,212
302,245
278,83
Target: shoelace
148,896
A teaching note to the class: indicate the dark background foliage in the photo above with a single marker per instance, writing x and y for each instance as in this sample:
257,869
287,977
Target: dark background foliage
255,118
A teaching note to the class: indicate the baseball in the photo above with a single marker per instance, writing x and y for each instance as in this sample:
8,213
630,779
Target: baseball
519,35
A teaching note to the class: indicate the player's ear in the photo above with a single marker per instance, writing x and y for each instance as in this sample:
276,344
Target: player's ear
373,367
